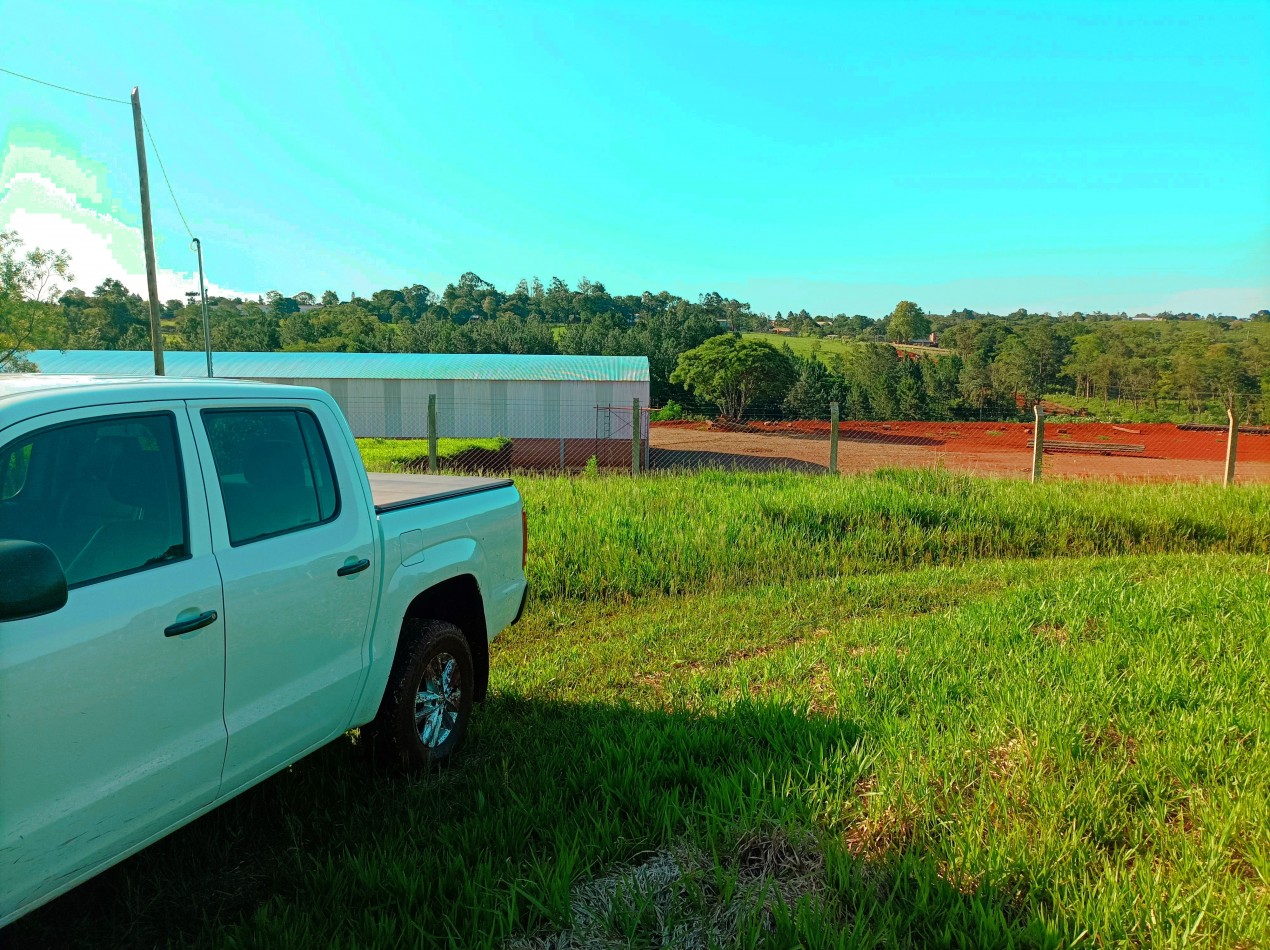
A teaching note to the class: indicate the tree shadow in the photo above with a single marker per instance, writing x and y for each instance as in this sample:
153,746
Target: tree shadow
548,794
888,438
685,460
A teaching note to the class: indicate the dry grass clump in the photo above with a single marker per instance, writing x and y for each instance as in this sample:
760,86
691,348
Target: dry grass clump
686,899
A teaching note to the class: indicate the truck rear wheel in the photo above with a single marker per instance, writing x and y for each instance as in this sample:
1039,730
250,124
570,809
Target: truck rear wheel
422,719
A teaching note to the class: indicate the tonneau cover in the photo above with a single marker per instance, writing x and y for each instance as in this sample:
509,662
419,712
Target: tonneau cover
402,491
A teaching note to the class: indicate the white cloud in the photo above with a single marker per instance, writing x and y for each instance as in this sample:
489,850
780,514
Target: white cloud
100,246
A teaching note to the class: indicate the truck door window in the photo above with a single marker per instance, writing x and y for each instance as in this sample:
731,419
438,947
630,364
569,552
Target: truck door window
107,495
274,471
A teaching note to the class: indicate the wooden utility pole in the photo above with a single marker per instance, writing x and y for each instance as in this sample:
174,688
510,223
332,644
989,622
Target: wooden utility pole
1038,442
1232,445
432,433
833,438
635,434
147,235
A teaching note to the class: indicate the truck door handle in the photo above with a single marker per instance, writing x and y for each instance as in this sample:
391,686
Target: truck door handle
189,626
357,568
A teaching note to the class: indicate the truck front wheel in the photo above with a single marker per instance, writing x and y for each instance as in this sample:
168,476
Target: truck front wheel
423,717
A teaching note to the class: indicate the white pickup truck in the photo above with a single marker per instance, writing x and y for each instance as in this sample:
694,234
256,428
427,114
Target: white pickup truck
200,584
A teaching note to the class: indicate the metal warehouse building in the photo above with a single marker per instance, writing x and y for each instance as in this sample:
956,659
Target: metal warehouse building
558,398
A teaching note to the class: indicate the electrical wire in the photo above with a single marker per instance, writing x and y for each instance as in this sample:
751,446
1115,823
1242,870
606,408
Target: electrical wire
124,102
53,85
166,180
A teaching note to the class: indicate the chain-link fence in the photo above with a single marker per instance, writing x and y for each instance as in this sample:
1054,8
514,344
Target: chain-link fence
468,436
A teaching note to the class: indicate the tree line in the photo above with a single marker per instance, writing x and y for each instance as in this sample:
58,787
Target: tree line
986,366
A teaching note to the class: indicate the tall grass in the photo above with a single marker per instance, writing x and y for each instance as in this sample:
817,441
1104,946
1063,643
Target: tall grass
619,538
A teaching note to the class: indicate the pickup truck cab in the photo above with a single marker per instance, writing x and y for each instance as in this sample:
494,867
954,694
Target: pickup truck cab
200,584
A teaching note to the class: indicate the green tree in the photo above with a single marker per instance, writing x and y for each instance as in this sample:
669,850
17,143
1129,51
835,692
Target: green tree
246,329
907,322
24,325
940,378
1014,371
1080,363
732,372
27,282
975,384
1227,376
280,306
34,275
910,395
874,368
814,388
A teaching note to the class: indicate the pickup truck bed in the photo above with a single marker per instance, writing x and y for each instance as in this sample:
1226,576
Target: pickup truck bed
390,492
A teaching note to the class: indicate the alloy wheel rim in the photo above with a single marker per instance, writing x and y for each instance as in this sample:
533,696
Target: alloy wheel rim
437,700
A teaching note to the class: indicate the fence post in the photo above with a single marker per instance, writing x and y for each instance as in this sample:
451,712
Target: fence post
1038,442
562,453
635,436
1232,440
432,433
833,438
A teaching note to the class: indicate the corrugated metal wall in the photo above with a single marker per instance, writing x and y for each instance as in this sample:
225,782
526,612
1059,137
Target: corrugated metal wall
398,408
480,396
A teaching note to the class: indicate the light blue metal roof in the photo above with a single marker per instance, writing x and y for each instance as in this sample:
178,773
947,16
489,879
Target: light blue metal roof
492,366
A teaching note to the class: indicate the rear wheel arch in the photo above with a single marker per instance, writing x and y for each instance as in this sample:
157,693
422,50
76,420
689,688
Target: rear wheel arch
458,601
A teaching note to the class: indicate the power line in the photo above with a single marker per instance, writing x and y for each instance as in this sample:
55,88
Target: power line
166,180
124,102
53,85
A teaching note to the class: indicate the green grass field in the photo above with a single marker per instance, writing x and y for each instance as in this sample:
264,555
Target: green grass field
411,455
804,346
911,709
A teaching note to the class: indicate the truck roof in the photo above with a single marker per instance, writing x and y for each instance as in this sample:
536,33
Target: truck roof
18,388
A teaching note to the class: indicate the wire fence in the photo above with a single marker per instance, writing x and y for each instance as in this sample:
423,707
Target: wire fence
465,436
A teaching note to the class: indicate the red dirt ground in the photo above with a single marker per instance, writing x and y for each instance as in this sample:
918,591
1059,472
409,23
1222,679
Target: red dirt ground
995,448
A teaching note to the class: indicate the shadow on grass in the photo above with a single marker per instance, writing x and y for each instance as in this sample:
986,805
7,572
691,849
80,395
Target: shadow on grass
547,795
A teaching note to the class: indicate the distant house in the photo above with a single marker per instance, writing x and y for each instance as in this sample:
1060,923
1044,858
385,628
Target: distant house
785,330
930,341
822,322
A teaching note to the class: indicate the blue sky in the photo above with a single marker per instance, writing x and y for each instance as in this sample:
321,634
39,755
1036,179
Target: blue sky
836,157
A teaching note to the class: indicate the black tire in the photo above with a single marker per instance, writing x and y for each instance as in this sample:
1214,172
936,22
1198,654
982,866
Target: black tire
395,737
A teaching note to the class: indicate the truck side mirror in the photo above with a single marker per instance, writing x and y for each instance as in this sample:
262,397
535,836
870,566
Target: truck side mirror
31,580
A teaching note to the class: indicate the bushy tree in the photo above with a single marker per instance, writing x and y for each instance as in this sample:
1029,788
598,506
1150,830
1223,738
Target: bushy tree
907,322
27,282
35,275
731,372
